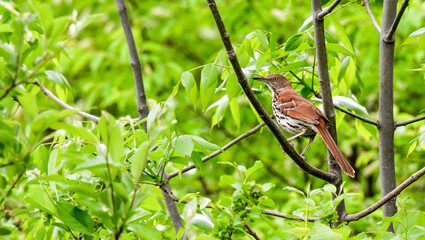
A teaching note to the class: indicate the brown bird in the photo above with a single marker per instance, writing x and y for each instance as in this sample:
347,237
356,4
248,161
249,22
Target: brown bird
300,117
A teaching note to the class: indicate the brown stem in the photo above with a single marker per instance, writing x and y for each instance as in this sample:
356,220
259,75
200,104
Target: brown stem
231,54
410,121
366,120
369,12
327,10
251,232
390,35
136,67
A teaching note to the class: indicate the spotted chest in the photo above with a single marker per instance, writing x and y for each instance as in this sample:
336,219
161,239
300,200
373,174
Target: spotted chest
289,124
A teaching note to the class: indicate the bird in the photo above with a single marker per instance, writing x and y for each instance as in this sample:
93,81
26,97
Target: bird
299,117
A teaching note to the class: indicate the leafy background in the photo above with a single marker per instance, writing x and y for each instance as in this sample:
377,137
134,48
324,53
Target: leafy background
59,171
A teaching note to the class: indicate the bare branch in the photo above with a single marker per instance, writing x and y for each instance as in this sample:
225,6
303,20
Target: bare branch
366,120
143,108
413,178
374,22
410,121
251,232
389,37
327,10
63,104
227,146
231,54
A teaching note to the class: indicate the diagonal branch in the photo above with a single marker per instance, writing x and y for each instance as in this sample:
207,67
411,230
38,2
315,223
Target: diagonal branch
251,232
413,178
410,121
374,22
227,146
322,14
231,54
366,120
136,67
389,37
63,104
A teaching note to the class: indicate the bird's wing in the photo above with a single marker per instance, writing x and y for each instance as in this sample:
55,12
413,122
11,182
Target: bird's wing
299,108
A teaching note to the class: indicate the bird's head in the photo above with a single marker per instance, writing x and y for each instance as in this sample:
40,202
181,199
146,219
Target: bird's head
276,82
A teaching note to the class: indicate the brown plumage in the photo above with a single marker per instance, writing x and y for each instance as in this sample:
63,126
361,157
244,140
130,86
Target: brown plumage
300,117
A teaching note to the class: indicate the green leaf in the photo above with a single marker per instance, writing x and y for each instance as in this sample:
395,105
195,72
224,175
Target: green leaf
234,109
40,199
349,104
197,160
300,232
412,147
144,230
323,232
294,66
204,143
209,76
57,78
6,28
184,145
293,42
329,188
188,81
202,221
342,34
292,189
232,86
340,49
203,202
257,166
78,131
75,218
139,159
262,38
266,202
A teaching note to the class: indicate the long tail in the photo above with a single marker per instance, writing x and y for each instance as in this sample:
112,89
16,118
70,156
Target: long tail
330,143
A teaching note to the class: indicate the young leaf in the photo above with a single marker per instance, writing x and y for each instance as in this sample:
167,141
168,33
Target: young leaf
204,143
203,222
293,42
138,161
188,81
75,218
209,76
40,199
184,145
257,166
234,109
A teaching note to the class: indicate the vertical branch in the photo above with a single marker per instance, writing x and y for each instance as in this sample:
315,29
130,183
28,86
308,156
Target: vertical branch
142,108
325,86
386,112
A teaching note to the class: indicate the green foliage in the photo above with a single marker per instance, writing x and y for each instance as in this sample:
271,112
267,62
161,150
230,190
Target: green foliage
64,177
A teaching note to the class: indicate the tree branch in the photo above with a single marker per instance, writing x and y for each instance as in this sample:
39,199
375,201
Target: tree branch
251,232
227,146
366,120
374,22
389,37
327,10
410,121
231,54
413,178
143,108
63,104
325,87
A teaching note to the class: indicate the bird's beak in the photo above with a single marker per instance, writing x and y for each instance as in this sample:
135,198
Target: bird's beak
259,78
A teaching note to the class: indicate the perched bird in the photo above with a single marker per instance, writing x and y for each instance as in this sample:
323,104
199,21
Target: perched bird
300,117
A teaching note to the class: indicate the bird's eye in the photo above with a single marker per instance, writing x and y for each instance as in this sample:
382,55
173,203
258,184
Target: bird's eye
275,79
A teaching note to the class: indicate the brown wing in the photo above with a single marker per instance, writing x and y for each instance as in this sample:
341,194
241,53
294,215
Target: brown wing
295,106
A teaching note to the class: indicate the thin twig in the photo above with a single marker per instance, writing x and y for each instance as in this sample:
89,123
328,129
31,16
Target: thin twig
63,104
227,146
136,67
366,120
251,232
389,37
231,54
410,121
374,22
327,10
21,174
413,178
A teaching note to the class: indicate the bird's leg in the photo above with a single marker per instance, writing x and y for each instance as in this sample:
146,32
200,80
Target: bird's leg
292,138
308,145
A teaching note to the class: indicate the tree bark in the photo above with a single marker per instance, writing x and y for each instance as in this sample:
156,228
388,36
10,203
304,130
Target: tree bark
325,87
386,112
